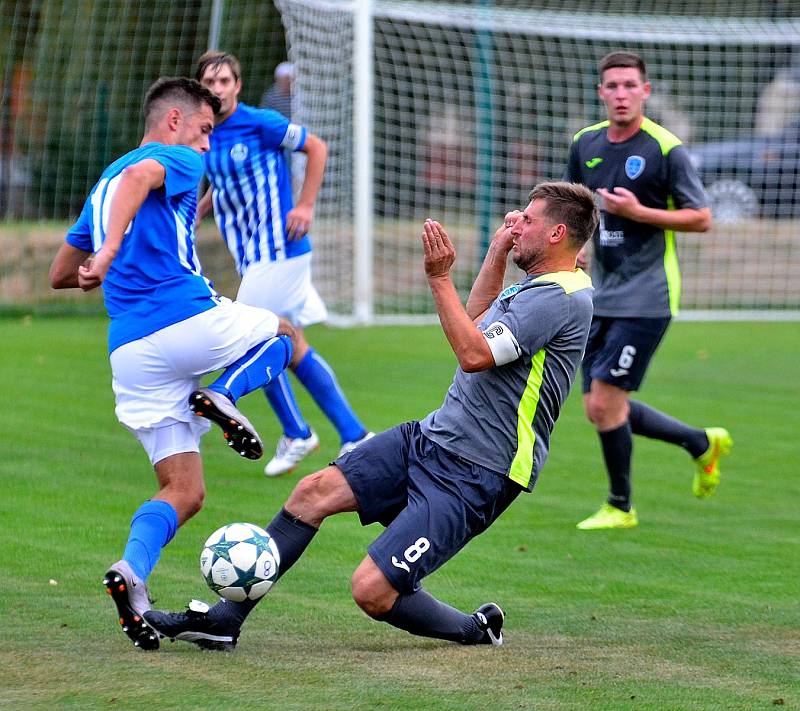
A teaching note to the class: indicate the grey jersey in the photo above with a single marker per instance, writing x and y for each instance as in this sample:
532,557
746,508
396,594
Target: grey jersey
635,266
501,418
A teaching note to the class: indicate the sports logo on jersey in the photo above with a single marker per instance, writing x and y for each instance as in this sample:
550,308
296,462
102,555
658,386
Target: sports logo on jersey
593,162
634,167
239,152
510,291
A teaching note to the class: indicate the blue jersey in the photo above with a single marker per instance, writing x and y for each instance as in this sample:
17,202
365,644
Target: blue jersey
155,280
252,186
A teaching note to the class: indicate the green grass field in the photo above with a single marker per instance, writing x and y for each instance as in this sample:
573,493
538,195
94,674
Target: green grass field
695,609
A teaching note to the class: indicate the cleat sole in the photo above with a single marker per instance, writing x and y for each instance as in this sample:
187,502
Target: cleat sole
138,631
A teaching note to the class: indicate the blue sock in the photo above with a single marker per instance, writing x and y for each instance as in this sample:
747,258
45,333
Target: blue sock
318,378
152,527
255,368
281,397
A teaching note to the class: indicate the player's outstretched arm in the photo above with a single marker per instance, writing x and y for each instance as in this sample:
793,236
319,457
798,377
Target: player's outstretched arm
467,342
298,219
136,183
489,281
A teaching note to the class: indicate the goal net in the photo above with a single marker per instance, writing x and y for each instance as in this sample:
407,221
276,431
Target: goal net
450,110
455,110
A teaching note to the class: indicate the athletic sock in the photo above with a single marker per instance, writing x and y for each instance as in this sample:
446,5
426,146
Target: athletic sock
291,536
254,369
649,422
153,525
422,614
281,398
617,447
318,378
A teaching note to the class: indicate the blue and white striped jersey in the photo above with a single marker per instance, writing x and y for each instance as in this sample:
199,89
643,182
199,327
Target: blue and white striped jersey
156,279
251,184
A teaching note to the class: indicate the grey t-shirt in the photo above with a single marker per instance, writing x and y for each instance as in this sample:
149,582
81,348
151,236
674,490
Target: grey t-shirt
635,266
501,418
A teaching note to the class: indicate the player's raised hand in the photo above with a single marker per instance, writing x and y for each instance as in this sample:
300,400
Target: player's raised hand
621,202
502,235
439,251
298,221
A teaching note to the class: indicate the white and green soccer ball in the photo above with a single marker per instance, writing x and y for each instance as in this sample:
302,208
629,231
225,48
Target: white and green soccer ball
240,561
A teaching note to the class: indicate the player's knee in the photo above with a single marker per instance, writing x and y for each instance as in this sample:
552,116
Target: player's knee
309,499
604,411
371,598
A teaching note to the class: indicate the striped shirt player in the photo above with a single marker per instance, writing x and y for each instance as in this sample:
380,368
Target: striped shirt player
250,189
168,327
438,483
251,185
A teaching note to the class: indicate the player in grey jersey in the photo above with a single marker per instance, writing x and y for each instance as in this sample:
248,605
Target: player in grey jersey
438,483
648,189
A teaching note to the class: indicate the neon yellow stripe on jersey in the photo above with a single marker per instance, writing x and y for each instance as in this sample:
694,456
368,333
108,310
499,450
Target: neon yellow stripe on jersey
593,127
671,267
522,466
570,282
666,140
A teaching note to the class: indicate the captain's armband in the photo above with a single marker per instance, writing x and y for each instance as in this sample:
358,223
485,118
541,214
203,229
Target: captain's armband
502,344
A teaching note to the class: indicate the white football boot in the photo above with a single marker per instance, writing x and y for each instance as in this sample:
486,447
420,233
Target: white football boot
289,453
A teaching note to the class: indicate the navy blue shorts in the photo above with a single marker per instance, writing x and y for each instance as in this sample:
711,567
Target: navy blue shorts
619,350
431,501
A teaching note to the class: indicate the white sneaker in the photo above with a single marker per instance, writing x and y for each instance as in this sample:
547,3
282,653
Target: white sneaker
289,453
350,446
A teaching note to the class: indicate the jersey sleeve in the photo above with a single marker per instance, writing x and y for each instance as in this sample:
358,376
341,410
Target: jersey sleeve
278,132
80,234
535,315
684,183
183,166
572,173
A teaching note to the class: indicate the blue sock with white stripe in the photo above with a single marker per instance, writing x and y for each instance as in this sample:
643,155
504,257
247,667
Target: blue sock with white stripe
255,368
281,397
318,378
152,527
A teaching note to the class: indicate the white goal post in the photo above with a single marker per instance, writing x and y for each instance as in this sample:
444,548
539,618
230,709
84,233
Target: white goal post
455,110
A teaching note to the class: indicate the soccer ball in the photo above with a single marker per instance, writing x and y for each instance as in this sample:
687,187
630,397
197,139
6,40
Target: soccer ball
240,561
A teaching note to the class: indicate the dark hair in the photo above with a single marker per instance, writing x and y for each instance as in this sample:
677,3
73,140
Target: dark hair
571,204
177,91
214,58
622,58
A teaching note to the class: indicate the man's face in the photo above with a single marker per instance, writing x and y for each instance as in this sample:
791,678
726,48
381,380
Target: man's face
221,82
623,92
195,128
531,233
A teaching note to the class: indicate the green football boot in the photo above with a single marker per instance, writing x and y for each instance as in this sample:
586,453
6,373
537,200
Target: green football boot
609,517
706,477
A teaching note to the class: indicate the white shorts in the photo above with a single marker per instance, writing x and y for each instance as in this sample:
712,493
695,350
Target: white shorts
153,376
284,287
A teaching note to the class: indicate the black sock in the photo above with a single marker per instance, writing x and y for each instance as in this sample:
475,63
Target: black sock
617,450
649,422
422,614
291,536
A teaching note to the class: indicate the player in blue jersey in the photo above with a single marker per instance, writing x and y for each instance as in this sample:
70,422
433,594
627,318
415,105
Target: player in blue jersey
649,189
438,483
135,237
267,234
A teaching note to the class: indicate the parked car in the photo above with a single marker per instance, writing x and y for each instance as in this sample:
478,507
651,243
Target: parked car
752,176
